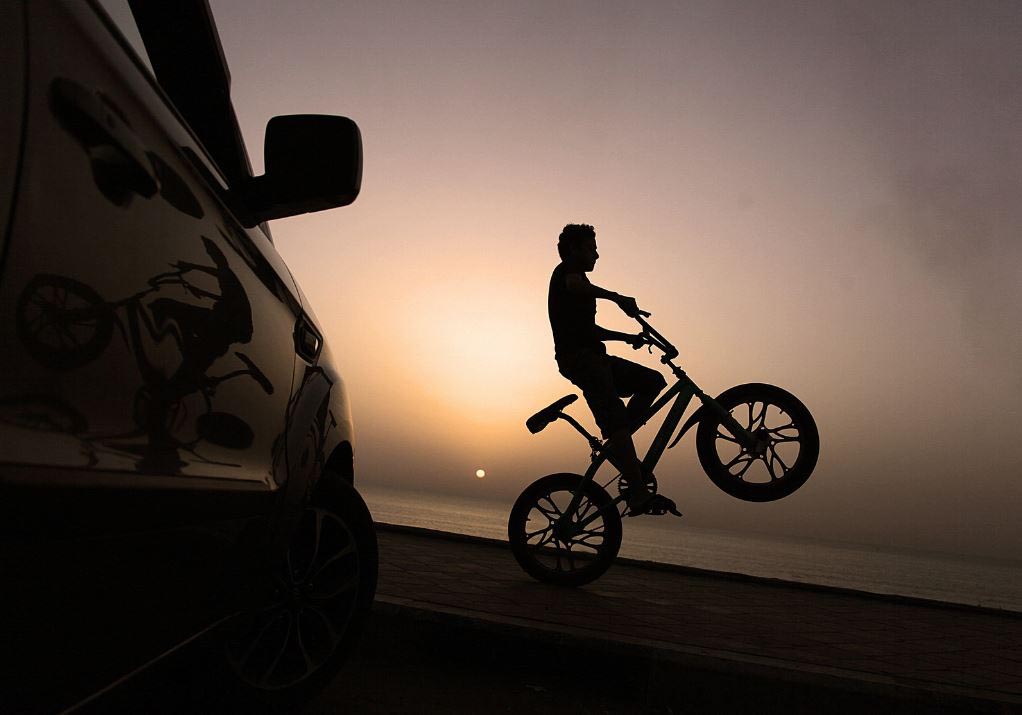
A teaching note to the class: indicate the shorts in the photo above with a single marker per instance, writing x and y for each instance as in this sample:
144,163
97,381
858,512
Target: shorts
604,380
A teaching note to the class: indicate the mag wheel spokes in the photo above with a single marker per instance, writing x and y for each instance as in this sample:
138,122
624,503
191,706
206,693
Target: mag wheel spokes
58,319
283,644
62,322
549,539
786,443
778,443
556,540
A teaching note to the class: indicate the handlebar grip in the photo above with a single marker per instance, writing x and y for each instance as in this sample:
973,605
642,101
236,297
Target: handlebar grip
658,340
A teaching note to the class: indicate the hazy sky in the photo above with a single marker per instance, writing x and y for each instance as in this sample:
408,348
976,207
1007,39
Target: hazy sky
820,195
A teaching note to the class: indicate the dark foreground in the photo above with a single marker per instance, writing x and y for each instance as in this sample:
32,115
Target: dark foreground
458,628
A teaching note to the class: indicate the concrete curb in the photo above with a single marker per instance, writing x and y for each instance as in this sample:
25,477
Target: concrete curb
727,575
670,668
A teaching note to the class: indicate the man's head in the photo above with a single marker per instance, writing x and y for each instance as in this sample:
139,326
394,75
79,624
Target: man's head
577,246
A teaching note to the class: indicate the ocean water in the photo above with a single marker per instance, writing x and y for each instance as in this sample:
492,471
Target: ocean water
993,584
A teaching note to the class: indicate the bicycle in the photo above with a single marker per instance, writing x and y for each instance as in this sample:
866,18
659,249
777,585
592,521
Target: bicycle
65,324
756,442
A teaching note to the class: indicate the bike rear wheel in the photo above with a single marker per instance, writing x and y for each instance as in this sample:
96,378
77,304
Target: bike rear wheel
63,323
788,435
552,553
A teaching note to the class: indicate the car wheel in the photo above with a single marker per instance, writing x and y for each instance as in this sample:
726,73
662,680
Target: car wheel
284,651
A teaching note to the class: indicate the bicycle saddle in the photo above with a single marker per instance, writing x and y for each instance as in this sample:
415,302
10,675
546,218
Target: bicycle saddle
541,419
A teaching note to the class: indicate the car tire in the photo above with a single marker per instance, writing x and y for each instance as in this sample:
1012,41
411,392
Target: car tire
278,655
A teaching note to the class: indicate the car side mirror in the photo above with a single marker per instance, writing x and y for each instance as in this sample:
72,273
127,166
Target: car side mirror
313,162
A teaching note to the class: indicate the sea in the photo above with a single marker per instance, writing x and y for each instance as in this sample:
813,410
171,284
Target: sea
880,570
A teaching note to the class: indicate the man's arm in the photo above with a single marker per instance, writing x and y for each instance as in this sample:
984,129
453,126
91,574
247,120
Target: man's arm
578,285
603,335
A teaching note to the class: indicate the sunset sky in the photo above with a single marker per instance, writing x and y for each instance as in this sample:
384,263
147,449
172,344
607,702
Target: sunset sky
819,195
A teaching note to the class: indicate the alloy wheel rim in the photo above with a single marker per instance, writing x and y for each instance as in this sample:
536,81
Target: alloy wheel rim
315,595
779,438
558,546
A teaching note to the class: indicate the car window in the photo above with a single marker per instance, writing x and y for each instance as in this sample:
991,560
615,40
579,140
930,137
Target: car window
120,13
117,15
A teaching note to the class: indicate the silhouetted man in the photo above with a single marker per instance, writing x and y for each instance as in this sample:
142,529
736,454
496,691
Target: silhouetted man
582,357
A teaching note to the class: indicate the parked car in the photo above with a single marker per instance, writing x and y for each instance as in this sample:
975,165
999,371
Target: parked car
177,460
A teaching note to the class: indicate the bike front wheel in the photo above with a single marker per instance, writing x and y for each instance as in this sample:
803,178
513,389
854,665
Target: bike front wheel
788,444
547,544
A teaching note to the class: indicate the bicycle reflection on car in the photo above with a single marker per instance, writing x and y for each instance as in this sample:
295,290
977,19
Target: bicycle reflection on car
65,324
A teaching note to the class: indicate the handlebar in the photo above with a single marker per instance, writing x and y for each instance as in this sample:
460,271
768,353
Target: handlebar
178,277
657,340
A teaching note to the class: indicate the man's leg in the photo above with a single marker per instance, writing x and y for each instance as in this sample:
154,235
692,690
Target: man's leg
639,382
642,385
596,378
621,453
614,422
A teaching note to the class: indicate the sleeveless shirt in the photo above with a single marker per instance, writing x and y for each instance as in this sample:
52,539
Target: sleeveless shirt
572,317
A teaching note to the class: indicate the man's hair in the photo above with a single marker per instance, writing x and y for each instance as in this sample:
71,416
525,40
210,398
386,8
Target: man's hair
571,235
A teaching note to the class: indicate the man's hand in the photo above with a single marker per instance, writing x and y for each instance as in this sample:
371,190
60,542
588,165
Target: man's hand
636,341
630,307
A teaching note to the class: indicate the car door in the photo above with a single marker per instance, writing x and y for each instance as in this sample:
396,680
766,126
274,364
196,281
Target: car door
12,89
147,360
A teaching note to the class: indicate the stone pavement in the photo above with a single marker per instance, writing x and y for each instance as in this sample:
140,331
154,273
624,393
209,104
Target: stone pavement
911,650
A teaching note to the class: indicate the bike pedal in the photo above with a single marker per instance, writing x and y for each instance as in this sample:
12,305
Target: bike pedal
661,505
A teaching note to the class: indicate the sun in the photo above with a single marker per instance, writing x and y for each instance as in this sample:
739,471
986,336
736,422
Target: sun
480,473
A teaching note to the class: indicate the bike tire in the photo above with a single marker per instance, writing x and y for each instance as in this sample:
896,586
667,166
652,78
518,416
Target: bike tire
598,548
766,485
53,339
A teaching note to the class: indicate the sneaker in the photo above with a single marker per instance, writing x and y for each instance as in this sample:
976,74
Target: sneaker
638,500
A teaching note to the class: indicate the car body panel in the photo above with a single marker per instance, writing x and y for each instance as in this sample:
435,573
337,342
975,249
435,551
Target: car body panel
12,111
175,314
147,369
161,431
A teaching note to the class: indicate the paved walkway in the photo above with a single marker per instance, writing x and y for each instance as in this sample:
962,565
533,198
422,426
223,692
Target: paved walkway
969,657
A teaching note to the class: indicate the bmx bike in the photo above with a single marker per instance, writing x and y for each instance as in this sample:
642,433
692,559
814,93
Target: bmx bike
755,441
65,324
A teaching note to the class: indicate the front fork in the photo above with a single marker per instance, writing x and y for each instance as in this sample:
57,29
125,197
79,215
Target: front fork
745,438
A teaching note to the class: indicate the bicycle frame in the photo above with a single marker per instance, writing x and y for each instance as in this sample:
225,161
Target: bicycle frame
681,393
